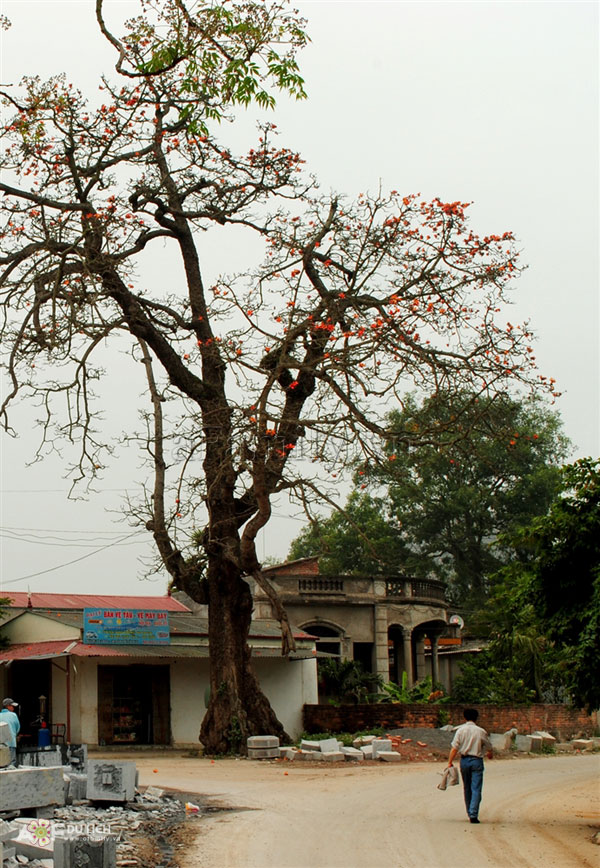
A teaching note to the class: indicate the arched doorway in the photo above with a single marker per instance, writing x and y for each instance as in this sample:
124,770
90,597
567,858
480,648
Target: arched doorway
329,638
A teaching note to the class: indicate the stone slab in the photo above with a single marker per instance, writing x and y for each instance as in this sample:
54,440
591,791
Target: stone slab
39,757
536,743
389,756
72,851
8,830
501,740
4,755
523,742
4,733
110,781
306,744
262,741
328,744
308,755
352,753
547,739
287,753
35,838
380,745
77,786
583,744
31,788
367,750
333,756
75,755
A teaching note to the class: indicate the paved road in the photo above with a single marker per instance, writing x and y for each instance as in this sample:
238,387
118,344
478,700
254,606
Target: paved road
536,813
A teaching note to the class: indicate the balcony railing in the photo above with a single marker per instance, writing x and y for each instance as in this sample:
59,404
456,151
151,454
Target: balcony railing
410,588
321,586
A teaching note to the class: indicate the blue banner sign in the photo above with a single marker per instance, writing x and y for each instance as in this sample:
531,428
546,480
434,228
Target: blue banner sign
125,627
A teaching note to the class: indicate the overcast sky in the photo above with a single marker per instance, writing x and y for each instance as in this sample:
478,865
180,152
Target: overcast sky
494,103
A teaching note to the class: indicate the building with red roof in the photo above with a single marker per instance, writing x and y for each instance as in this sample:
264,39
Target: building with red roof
132,670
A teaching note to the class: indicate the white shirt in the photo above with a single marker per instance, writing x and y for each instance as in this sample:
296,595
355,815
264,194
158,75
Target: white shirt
471,740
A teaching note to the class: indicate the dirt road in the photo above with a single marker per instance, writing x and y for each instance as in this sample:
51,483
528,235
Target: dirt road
541,812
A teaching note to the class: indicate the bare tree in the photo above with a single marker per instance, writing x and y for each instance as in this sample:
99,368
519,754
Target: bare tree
354,303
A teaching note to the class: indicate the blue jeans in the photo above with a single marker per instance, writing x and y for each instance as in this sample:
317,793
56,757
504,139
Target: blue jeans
471,770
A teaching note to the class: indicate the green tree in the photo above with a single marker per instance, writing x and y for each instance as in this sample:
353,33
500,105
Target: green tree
492,464
564,578
543,616
359,539
458,472
352,301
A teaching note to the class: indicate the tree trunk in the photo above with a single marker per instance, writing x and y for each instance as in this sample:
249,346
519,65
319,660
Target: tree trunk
238,708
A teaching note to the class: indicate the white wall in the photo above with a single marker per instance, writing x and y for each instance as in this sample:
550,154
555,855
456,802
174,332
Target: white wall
288,685
189,681
30,627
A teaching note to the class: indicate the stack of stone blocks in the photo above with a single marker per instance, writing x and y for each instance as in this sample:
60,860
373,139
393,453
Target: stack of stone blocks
4,750
39,786
324,750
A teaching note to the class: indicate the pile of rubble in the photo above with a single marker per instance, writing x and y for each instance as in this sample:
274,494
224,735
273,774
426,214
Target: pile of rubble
86,812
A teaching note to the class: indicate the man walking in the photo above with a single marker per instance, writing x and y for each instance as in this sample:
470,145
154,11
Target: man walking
471,742
7,715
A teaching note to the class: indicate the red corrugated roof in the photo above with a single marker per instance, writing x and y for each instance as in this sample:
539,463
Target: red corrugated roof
56,648
39,600
28,650
66,647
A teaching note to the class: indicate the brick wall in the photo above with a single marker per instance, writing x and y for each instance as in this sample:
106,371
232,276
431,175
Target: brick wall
302,567
561,720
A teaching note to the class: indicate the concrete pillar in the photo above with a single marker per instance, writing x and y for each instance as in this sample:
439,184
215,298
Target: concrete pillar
420,658
408,657
382,660
435,669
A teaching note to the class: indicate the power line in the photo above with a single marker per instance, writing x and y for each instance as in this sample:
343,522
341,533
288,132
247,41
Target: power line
67,564
63,543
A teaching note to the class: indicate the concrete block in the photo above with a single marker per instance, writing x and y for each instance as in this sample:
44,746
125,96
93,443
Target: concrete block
389,756
333,756
308,755
501,741
71,851
39,757
262,741
4,755
583,744
523,742
75,755
77,786
379,745
287,752
110,781
31,788
536,743
4,733
35,838
363,740
547,739
256,753
328,744
8,830
367,749
305,744
352,754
